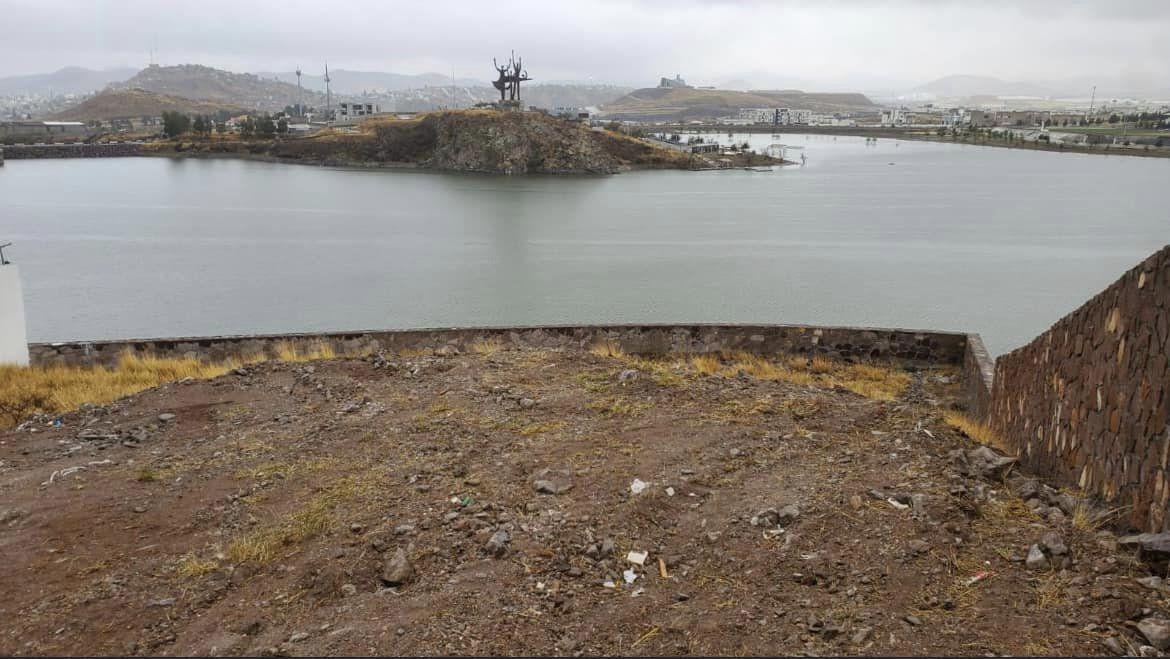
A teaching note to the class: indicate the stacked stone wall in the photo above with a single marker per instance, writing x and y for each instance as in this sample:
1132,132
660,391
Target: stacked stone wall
1086,402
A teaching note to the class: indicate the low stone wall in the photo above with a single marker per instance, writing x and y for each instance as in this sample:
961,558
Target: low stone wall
34,151
1086,402
839,342
978,374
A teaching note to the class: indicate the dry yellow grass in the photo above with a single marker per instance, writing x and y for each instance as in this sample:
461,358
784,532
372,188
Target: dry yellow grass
25,391
977,431
289,352
706,364
191,566
610,349
487,346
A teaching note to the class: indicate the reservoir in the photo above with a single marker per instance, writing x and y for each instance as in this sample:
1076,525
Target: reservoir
901,234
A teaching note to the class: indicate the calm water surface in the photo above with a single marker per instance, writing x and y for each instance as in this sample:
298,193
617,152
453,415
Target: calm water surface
910,234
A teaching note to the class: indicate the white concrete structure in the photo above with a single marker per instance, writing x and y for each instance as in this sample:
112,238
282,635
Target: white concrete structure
13,335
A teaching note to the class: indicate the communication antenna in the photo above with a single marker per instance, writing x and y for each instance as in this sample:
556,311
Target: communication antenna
4,261
300,96
1092,99
328,94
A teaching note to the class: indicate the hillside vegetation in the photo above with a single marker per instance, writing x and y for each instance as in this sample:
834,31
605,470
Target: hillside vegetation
131,103
659,104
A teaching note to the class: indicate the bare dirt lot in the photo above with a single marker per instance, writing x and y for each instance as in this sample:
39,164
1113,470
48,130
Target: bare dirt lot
492,502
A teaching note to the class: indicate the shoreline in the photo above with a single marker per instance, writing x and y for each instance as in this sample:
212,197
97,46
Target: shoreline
905,134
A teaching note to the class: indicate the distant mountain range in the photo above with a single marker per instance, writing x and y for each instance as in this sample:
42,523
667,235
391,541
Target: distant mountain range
342,81
69,80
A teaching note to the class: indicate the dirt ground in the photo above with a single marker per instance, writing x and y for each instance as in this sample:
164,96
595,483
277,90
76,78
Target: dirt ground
482,503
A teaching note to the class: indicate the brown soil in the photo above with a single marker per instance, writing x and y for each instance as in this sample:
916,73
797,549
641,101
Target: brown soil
260,519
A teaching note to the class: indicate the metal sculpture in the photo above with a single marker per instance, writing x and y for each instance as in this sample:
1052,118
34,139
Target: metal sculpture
511,75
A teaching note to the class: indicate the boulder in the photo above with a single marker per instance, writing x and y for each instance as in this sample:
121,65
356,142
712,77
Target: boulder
397,570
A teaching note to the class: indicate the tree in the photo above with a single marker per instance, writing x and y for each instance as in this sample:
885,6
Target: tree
264,126
221,127
175,123
199,125
282,126
247,127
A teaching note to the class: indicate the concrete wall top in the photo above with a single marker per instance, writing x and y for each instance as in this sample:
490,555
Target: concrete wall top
13,340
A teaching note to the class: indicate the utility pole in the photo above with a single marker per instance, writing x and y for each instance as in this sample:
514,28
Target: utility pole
1092,100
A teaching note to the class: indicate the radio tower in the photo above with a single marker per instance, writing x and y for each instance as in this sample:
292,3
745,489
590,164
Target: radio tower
300,95
328,96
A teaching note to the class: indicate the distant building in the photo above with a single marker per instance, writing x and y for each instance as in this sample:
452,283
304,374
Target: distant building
895,117
980,119
676,83
572,113
349,111
42,131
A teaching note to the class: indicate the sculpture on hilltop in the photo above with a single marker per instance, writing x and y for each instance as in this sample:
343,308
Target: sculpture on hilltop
511,74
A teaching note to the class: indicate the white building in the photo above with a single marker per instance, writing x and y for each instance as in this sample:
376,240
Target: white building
347,110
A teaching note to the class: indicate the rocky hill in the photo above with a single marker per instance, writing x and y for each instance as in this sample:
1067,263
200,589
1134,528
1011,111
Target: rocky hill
203,83
485,141
133,103
659,104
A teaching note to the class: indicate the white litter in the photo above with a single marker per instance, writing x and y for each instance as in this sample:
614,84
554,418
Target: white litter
637,592
609,584
637,557
894,503
630,575
638,486
670,491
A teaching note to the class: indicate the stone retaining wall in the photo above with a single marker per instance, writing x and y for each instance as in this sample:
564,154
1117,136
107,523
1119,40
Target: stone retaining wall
1086,402
34,151
839,342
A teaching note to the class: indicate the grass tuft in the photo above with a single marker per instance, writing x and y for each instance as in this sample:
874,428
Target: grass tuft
608,349
191,566
977,431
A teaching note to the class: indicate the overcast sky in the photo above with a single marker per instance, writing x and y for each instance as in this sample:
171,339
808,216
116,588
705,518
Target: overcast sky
830,44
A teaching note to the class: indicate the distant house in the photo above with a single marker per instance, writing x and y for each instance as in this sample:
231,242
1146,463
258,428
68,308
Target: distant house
676,83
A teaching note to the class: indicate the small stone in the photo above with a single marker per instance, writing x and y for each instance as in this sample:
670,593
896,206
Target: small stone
527,403
549,481
298,637
1054,544
912,620
166,417
861,635
1036,559
398,570
404,529
607,547
1156,631
349,590
1113,645
1153,583
356,527
628,375
169,601
139,509
918,546
497,545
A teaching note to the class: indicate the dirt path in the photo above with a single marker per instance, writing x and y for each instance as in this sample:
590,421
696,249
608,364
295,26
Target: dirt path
266,515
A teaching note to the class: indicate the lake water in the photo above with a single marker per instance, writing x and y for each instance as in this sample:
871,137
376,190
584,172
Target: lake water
910,234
